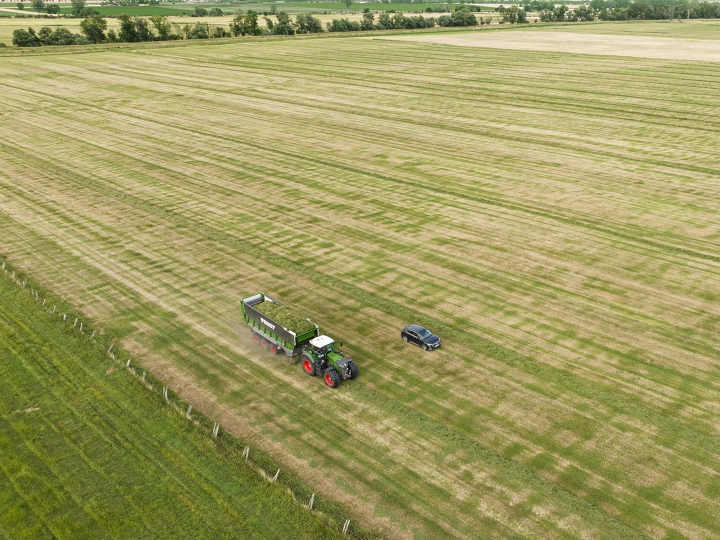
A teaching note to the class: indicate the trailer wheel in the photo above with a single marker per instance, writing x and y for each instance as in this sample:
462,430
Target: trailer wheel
308,365
274,349
332,378
256,339
353,369
264,343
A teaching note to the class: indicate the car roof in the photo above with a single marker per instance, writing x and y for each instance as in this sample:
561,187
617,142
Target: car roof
415,327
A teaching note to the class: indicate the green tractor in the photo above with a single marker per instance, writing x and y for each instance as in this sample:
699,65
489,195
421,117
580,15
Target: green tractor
322,356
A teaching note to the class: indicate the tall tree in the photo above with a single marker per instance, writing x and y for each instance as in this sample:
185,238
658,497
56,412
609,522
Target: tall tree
94,28
128,32
38,5
77,6
162,27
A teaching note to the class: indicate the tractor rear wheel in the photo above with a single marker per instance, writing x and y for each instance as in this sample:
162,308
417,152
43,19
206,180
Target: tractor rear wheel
308,365
256,339
332,378
353,369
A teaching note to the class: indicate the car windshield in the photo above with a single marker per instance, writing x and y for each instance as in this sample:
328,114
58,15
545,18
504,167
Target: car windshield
424,333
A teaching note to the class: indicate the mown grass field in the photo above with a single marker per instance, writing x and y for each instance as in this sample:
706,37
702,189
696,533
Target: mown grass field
553,217
88,452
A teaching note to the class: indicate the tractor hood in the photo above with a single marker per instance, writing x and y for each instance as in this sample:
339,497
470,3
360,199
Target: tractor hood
338,359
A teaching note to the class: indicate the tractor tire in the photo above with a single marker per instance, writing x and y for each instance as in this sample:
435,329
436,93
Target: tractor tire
308,365
353,369
264,343
331,377
256,339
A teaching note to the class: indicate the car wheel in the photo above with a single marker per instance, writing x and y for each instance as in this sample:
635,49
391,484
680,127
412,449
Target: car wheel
425,347
405,339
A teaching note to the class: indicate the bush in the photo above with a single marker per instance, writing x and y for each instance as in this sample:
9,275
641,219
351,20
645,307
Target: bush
220,32
307,24
25,38
343,25
47,36
199,30
460,17
216,12
53,9
199,12
2,45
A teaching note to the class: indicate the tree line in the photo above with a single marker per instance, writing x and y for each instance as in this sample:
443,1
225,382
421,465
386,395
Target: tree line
397,21
624,10
77,8
159,28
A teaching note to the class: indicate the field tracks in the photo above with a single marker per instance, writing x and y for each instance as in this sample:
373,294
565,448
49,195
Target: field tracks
258,461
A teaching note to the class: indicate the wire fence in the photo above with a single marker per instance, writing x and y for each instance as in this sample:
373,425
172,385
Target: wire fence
333,514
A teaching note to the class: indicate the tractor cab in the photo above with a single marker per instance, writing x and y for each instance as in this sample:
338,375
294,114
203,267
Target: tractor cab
322,346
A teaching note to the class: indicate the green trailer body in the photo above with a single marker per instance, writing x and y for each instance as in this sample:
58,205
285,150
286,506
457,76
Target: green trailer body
284,339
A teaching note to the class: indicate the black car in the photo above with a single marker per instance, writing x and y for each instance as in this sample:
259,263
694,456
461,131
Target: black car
420,336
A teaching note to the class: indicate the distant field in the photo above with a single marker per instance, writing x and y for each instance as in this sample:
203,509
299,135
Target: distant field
553,216
666,42
88,452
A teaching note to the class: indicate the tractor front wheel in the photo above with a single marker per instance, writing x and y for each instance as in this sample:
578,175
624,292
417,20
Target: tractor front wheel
353,369
308,365
332,378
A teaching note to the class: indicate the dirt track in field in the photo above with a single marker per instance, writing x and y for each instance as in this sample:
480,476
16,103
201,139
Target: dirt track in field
660,48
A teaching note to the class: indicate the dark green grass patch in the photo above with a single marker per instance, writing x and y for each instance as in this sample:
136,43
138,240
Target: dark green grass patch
88,451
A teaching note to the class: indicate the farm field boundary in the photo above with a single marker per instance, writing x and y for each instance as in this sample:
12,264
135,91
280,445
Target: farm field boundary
53,358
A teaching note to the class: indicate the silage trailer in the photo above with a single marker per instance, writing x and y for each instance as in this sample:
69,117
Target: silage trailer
319,354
